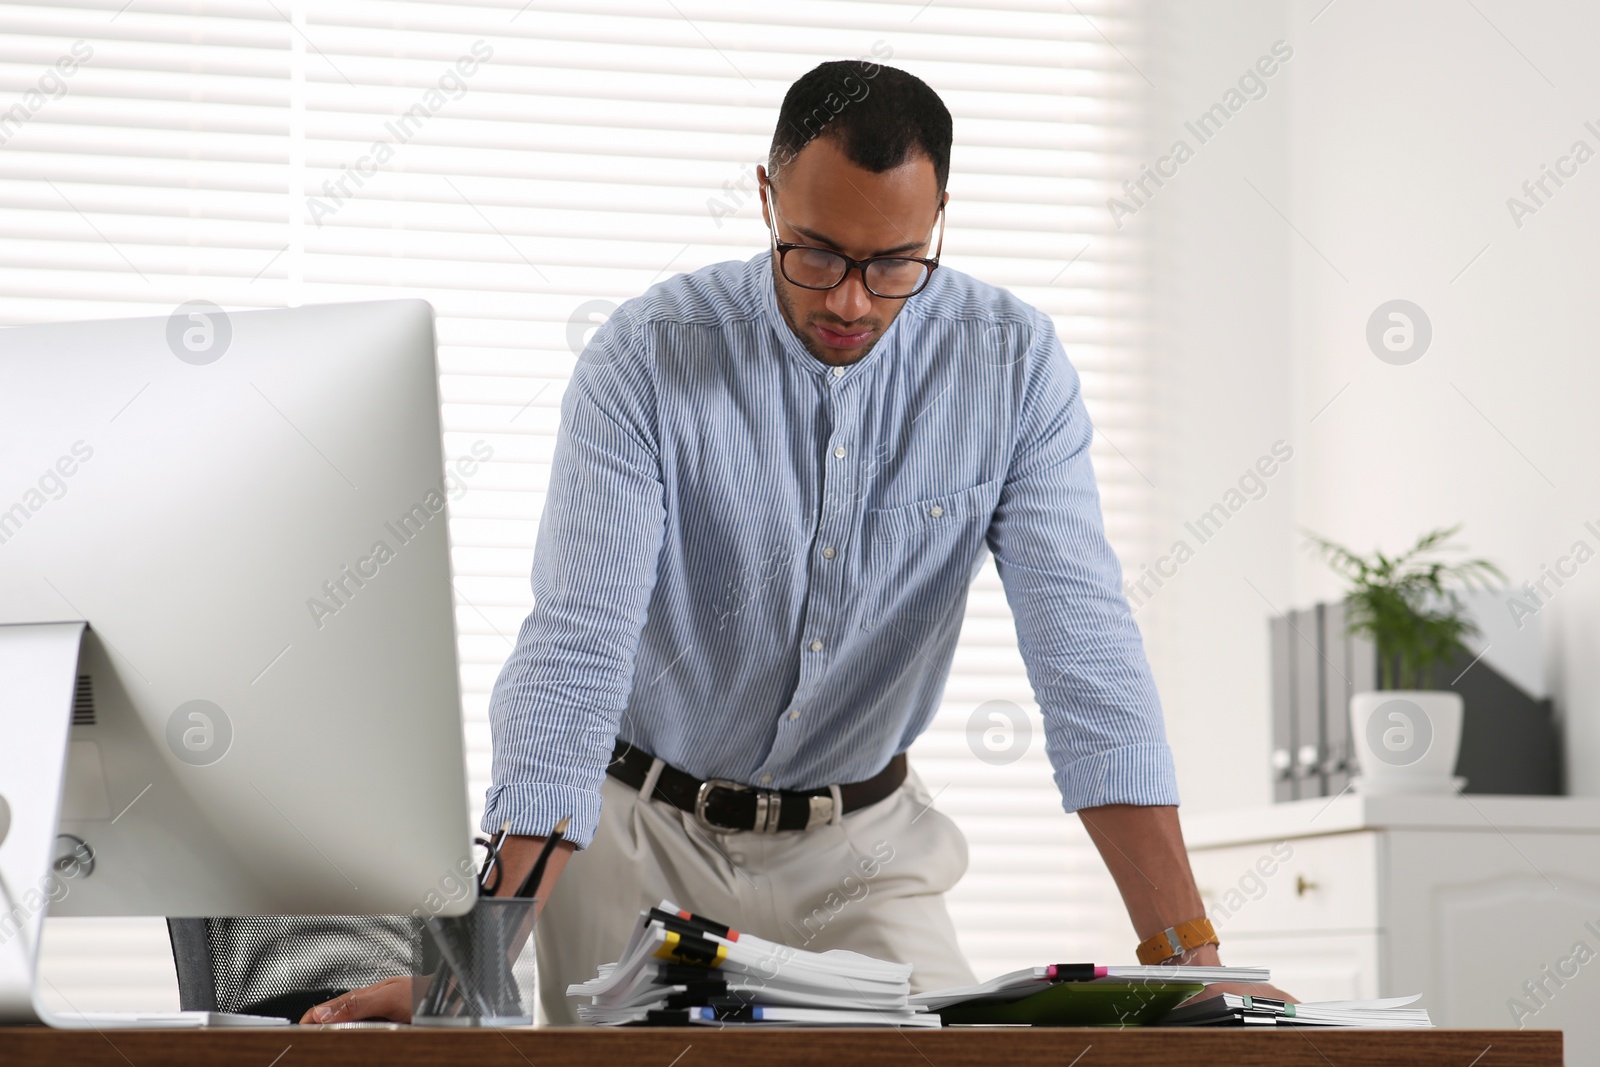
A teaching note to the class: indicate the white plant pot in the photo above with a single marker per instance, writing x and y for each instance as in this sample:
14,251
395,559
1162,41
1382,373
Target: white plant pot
1407,740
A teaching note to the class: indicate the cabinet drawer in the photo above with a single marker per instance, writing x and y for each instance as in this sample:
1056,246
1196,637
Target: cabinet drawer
1304,885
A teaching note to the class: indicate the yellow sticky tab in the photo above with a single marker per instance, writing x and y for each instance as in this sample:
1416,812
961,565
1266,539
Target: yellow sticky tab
696,951
669,947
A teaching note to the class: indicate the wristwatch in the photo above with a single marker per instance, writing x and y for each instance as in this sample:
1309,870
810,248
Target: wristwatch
1176,940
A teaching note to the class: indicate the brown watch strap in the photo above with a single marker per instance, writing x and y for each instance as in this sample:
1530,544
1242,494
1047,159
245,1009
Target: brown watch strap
1176,940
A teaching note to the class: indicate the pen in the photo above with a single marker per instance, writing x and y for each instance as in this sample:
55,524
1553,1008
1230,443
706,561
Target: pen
455,962
530,884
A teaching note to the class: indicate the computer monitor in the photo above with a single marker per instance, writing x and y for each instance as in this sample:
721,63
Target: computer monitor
249,511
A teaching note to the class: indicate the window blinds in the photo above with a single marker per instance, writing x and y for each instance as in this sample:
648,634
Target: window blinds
526,166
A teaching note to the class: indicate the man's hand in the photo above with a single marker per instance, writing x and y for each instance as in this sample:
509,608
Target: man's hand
1206,956
1244,989
391,998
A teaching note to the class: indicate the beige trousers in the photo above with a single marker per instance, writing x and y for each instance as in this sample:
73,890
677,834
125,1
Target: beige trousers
872,881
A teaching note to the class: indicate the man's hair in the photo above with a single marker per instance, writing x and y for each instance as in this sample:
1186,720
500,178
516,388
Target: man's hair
878,115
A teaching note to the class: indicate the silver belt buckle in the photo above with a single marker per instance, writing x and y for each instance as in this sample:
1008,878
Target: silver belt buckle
821,813
769,808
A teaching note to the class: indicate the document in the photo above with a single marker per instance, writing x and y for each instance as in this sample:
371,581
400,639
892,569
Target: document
1231,1009
1030,980
680,968
1081,994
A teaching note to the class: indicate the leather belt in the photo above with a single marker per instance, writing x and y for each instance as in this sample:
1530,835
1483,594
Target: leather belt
722,806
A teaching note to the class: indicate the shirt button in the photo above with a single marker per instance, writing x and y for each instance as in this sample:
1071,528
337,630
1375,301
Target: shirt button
766,779
828,553
838,372
816,646
839,452
793,715
936,511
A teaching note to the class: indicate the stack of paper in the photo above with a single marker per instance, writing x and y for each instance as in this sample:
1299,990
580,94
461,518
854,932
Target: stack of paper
1030,980
1233,1009
680,968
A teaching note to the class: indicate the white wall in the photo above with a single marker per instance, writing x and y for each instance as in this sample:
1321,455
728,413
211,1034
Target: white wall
1222,315
1412,125
1390,144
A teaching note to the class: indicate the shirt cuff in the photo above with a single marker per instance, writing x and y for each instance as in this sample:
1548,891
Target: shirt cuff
534,810
1134,774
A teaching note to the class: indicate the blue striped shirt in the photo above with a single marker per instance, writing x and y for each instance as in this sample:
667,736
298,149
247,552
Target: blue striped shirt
755,566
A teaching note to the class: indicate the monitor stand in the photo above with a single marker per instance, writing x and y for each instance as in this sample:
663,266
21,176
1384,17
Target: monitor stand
38,672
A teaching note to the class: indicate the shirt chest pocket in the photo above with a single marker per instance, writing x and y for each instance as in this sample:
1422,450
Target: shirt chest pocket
921,556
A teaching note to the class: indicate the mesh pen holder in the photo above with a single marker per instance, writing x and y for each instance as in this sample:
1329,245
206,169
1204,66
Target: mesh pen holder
476,969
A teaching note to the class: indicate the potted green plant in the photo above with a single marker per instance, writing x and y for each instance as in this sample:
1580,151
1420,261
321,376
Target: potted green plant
1407,734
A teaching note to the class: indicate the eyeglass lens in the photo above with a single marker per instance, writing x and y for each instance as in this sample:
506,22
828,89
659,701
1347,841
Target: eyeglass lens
817,268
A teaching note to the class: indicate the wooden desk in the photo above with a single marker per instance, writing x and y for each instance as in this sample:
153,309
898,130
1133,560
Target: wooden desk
707,1047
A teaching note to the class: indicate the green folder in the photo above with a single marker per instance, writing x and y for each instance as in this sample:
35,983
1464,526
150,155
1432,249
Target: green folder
1077,1004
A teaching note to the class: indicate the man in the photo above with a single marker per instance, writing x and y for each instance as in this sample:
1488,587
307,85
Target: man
774,481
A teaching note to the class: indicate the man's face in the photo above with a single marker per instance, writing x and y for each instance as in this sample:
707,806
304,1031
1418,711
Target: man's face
826,201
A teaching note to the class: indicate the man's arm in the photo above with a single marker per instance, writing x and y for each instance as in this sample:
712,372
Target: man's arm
1084,653
559,699
517,856
1143,849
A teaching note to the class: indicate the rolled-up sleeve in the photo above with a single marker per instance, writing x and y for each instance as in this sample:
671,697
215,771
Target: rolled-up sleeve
559,699
1084,655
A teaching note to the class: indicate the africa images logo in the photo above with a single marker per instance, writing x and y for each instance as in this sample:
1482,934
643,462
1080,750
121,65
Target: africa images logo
199,332
339,591
51,485
199,733
1399,732
1399,332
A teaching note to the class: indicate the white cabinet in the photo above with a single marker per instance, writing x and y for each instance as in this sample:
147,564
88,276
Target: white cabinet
1488,906
1288,884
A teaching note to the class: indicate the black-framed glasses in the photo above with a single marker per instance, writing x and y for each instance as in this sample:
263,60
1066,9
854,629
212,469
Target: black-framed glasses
887,277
